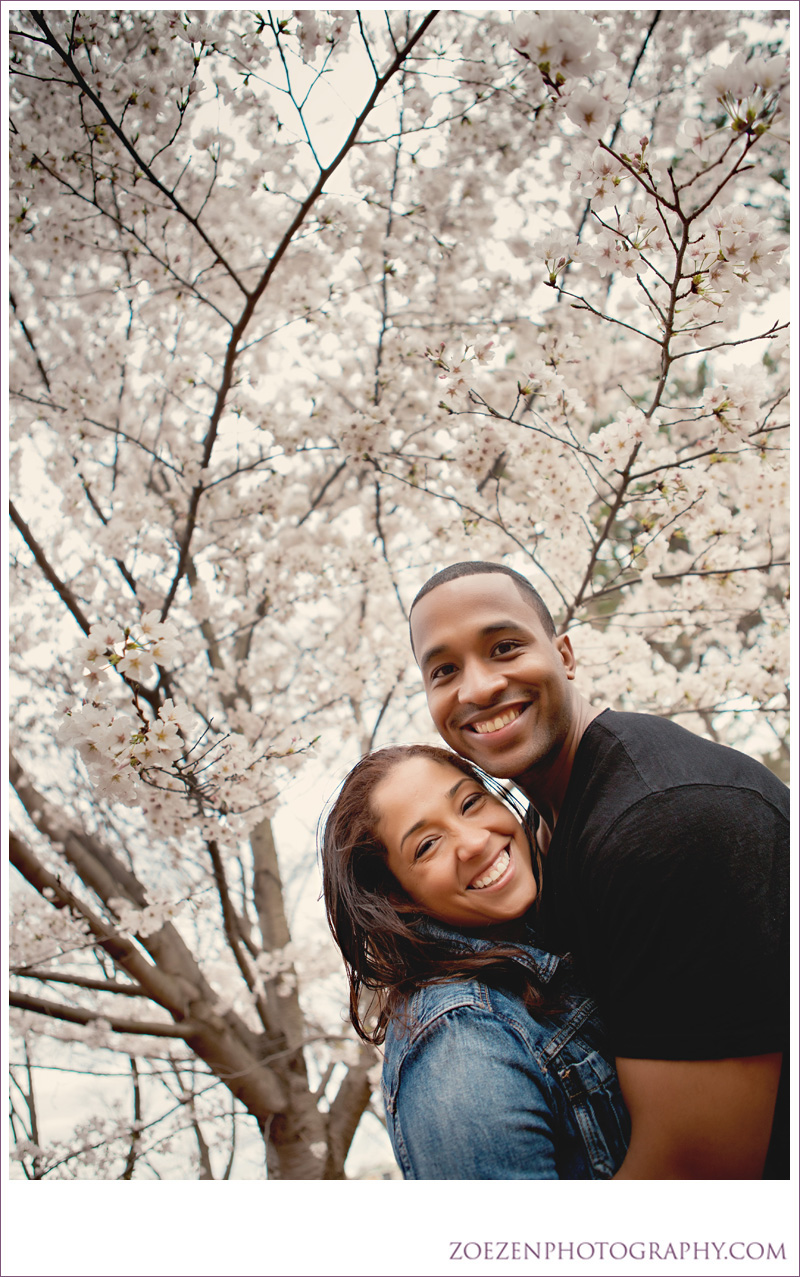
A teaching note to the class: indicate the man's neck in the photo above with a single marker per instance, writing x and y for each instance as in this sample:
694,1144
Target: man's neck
546,784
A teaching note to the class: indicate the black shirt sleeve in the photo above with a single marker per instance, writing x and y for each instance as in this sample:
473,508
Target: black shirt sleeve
683,927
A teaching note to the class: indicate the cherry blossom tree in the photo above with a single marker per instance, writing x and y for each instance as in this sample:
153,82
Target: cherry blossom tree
304,305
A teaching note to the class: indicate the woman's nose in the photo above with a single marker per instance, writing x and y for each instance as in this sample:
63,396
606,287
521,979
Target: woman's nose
471,841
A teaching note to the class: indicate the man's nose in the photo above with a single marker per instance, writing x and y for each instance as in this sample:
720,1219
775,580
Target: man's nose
480,683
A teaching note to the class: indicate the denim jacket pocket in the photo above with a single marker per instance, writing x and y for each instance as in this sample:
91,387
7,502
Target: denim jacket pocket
592,1091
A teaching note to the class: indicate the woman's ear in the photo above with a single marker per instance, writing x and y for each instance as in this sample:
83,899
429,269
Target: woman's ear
377,878
404,904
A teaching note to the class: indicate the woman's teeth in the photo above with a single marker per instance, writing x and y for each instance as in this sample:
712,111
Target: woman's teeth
494,724
497,870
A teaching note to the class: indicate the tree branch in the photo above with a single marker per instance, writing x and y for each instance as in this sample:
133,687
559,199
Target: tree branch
677,576
234,927
255,296
224,1043
124,952
346,1111
75,1015
80,982
63,591
137,1121
39,19
601,538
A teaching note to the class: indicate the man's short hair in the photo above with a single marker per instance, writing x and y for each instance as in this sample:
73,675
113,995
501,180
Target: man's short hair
477,568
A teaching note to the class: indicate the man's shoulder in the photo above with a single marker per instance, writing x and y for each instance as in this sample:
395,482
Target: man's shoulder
638,780
642,754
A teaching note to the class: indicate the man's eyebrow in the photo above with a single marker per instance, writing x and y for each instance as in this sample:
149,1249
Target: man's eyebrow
485,632
451,793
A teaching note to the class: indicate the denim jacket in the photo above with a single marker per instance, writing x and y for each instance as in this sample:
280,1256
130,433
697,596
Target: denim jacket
475,1087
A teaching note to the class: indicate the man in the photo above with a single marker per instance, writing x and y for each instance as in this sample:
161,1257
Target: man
666,874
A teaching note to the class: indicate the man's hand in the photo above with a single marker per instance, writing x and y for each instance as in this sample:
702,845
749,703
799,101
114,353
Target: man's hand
698,1119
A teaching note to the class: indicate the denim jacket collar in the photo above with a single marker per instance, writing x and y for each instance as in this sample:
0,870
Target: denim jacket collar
543,965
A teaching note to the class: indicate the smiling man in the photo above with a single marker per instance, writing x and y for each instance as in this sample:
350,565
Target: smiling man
666,874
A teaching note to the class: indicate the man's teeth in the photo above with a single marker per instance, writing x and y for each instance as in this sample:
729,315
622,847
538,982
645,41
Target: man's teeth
494,724
497,870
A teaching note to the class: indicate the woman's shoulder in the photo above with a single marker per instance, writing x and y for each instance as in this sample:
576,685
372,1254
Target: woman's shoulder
432,1001
462,1038
459,1018
471,1007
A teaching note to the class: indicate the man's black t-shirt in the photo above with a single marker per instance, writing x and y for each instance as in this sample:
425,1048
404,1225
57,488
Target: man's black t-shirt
667,878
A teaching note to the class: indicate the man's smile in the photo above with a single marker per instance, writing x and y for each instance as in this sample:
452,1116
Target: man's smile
500,718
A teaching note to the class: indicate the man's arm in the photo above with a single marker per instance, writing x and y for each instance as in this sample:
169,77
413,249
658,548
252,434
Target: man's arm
698,1119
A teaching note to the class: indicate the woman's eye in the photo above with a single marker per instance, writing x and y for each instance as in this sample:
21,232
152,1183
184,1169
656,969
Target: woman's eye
471,800
424,847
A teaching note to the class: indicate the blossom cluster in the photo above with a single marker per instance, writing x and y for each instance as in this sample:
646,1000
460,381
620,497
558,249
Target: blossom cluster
124,753
278,965
133,651
317,29
748,91
121,753
734,252
456,364
734,406
565,50
361,434
557,252
562,46
602,174
616,441
146,762
542,381
146,921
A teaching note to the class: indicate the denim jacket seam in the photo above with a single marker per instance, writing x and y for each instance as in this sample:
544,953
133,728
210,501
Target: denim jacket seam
479,997
481,1008
572,1027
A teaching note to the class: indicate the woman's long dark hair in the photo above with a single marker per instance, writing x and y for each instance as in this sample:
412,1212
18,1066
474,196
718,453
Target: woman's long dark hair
375,923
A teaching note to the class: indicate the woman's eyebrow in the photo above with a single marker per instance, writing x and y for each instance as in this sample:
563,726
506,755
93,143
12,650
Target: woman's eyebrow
451,793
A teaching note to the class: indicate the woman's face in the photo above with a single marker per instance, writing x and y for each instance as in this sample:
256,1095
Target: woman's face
455,850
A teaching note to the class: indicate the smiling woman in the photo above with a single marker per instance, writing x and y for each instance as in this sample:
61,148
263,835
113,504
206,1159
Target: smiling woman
496,1065
465,858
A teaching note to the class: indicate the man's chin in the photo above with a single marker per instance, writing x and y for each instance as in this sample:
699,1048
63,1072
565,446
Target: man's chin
468,745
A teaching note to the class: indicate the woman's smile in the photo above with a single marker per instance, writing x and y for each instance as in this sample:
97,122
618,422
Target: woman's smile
496,871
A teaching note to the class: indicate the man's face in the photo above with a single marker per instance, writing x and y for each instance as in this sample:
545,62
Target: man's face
498,687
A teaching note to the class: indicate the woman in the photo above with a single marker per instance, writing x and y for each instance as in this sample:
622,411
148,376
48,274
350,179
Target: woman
495,1064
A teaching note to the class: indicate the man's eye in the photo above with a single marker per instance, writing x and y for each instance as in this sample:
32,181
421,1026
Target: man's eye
505,647
441,671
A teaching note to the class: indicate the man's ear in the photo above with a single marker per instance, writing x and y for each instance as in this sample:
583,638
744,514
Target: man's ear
563,644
